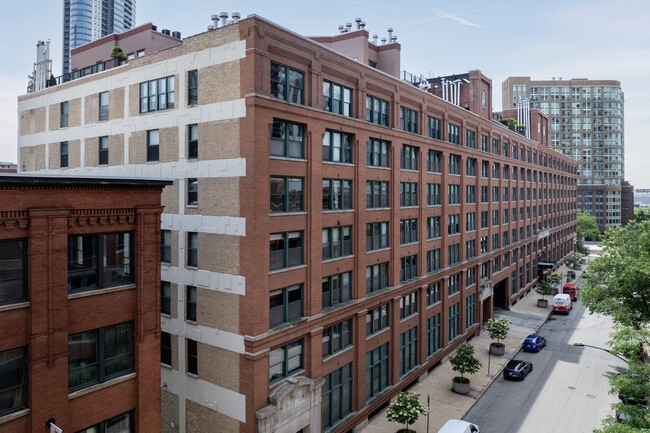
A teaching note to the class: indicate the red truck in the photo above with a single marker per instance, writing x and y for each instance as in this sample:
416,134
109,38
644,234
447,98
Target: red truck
571,290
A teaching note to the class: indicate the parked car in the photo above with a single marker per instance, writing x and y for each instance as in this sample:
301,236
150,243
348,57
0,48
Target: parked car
571,290
458,426
517,369
562,303
630,412
534,343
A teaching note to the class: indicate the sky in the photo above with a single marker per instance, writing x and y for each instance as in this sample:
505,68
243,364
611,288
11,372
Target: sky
595,39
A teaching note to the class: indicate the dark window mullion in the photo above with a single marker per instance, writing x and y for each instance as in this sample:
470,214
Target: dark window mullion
101,243
101,353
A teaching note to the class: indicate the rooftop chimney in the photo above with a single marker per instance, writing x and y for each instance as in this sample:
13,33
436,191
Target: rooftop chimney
224,18
362,25
210,27
358,21
348,26
215,21
342,29
236,16
390,35
383,41
374,39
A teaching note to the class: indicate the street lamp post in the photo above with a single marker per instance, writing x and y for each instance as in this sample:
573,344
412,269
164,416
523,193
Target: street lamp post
603,349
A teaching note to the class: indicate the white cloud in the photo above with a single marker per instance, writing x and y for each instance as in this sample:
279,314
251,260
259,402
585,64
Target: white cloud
458,19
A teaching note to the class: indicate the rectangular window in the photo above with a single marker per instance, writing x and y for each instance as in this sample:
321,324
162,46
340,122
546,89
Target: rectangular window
192,191
495,146
454,164
377,236
192,249
408,350
453,227
376,277
434,161
433,194
408,194
103,150
484,219
470,194
99,355
470,138
96,261
103,106
285,360
337,194
287,83
453,322
453,194
63,154
433,227
470,249
377,373
165,297
190,303
454,285
453,133
337,396
484,143
166,246
337,147
286,249
378,153
336,289
153,142
157,95
377,110
433,334
166,349
471,167
337,337
470,221
287,194
485,169
377,319
192,87
192,357
408,268
408,231
434,127
470,310
433,294
287,139
453,254
64,114
408,305
193,141
408,120
337,242
377,194
13,380
13,272
433,260
495,194
409,157
337,98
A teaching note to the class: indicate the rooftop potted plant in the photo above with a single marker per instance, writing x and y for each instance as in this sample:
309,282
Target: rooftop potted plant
463,362
498,330
405,410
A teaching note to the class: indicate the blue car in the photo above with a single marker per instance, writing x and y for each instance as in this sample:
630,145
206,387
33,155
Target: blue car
534,343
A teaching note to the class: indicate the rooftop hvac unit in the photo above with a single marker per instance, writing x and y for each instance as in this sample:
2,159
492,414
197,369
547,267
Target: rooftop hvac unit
176,35
166,32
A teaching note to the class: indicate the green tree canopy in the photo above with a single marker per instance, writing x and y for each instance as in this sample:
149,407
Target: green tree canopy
618,281
117,53
406,409
464,361
587,227
641,215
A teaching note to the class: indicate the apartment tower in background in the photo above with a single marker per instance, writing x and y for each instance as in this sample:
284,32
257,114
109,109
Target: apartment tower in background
87,20
586,123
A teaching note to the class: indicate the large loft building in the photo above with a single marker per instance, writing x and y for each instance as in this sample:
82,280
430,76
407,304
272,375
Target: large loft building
79,303
586,123
332,232
87,20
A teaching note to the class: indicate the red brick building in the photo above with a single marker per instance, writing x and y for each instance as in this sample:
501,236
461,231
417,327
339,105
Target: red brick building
79,303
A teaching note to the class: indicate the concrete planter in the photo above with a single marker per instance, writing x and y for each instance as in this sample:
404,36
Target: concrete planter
542,303
460,388
497,350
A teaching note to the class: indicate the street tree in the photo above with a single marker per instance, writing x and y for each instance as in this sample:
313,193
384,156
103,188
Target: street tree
587,227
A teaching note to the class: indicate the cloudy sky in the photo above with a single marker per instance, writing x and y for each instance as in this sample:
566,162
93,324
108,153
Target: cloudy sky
597,39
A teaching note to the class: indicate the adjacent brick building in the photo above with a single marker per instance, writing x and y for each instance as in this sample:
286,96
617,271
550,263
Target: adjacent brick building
80,343
396,220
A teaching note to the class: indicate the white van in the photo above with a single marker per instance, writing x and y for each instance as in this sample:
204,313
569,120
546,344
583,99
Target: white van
562,303
458,426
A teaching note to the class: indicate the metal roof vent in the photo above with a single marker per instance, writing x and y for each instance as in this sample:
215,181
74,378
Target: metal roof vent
236,16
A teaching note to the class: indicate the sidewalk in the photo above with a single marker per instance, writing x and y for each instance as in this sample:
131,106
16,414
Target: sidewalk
526,318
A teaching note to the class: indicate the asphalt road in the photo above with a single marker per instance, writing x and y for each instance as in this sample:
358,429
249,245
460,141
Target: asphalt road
568,389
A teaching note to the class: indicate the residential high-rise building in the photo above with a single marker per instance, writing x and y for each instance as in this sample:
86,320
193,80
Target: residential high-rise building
332,233
87,20
586,123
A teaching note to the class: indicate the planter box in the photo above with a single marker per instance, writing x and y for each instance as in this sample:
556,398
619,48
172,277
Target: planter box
542,303
497,351
460,388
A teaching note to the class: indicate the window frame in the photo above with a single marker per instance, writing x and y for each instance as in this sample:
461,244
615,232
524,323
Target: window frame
23,295
153,146
328,101
286,250
288,142
146,99
287,195
288,89
284,361
286,305
192,87
103,113
346,154
23,387
193,141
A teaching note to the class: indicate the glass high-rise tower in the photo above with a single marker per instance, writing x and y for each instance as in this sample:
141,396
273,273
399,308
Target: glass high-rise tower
87,20
586,123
